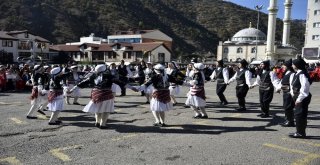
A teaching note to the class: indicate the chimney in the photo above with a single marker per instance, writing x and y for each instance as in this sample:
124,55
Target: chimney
271,28
286,23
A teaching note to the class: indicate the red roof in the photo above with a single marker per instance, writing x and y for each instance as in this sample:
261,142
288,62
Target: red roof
65,48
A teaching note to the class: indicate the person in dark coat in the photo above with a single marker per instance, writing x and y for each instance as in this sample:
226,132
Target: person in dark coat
300,91
123,72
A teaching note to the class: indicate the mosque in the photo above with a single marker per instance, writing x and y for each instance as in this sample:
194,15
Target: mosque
254,45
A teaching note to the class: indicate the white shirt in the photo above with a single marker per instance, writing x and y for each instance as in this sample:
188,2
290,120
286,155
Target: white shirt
225,74
273,77
248,76
305,86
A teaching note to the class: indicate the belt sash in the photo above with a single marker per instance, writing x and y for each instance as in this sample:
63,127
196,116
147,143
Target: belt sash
53,94
100,95
199,92
34,93
162,95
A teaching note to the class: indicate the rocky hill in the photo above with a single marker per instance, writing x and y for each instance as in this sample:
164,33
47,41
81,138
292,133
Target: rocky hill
195,25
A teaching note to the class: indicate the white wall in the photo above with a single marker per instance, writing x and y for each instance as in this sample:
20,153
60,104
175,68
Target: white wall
160,49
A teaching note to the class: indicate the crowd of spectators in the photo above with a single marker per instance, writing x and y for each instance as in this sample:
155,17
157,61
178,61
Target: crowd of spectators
13,77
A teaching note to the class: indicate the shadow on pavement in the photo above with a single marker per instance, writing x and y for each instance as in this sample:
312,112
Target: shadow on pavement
186,129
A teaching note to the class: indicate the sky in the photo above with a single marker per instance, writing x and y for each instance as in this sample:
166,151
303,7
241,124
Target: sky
299,7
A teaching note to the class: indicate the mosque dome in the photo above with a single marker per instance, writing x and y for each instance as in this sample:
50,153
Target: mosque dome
249,35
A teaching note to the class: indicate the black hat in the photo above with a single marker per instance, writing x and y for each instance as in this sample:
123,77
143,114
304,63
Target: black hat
244,63
220,62
299,63
266,63
288,63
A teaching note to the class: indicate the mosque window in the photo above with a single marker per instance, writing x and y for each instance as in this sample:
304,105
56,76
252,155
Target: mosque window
225,50
316,25
239,50
316,37
253,50
317,12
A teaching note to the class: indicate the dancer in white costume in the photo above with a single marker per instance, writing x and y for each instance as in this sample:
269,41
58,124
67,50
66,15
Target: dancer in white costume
102,99
73,79
37,91
174,88
55,97
196,96
160,102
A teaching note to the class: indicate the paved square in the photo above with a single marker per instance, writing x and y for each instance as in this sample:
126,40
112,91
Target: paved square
227,137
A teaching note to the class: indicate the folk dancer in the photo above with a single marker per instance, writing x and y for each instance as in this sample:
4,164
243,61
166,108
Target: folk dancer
37,90
55,96
196,96
102,99
300,91
243,78
73,78
148,72
266,80
160,102
173,71
221,75
284,86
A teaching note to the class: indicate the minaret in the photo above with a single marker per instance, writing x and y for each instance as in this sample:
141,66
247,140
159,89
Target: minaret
286,23
271,28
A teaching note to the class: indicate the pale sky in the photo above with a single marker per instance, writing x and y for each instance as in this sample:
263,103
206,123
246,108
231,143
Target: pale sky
299,7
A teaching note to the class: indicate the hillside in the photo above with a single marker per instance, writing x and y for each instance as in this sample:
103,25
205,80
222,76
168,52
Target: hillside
194,25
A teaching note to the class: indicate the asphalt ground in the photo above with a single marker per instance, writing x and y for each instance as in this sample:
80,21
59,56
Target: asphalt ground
227,137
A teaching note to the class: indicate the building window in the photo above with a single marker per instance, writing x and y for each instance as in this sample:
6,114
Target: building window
109,55
124,55
253,50
316,25
161,57
239,50
24,45
114,55
7,43
225,50
129,55
316,37
317,12
316,1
